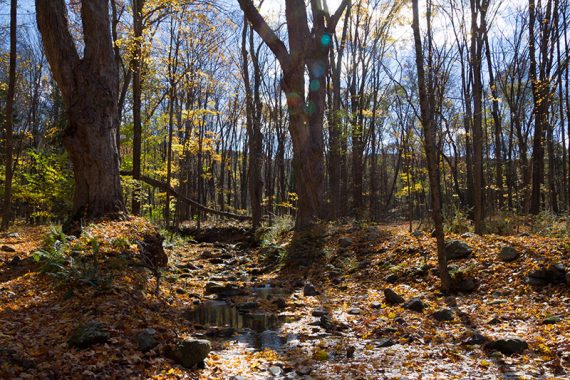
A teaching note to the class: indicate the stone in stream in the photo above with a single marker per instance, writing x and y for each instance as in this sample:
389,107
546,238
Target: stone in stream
191,352
146,340
309,290
508,346
319,312
382,343
443,315
222,290
415,304
7,248
88,334
457,249
508,254
392,297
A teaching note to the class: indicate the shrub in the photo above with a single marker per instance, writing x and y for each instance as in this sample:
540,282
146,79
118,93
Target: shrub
273,234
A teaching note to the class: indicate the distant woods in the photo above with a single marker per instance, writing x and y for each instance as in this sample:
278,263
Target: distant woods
321,112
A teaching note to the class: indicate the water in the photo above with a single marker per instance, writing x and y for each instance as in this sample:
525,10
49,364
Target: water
256,329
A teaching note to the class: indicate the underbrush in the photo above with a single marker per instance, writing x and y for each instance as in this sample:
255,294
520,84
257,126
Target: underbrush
549,224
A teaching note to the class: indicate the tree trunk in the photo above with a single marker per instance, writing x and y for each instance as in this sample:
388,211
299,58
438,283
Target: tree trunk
90,93
8,123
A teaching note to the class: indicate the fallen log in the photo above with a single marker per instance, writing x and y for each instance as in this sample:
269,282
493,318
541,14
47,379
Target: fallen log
170,190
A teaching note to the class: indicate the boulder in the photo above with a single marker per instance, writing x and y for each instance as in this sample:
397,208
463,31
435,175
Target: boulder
146,340
457,249
309,290
415,304
508,254
191,352
508,346
88,334
443,315
392,297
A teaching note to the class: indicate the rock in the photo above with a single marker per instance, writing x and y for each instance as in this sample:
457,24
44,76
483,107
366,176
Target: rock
350,352
244,306
475,339
498,302
303,370
465,285
494,321
568,278
443,315
385,343
399,320
552,320
7,248
372,234
392,297
310,291
228,290
555,274
417,233
15,261
457,249
216,260
354,311
13,235
345,242
88,334
326,322
221,332
466,235
191,352
275,370
508,254
391,278
508,346
280,302
9,357
319,312
415,304
376,305
146,340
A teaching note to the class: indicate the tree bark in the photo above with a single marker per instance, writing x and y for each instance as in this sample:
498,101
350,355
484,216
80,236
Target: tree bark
8,123
90,92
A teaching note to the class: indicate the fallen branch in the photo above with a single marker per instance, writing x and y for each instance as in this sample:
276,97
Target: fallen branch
170,190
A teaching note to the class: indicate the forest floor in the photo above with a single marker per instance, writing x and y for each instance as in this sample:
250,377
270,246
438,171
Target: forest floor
328,321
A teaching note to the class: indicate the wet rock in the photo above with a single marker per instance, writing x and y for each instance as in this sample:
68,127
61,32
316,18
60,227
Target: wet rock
319,312
88,334
508,346
508,254
350,352
443,315
7,248
382,343
181,291
191,352
415,304
457,249
309,290
146,340
552,320
345,242
222,290
326,322
376,305
354,311
392,297
245,306
280,302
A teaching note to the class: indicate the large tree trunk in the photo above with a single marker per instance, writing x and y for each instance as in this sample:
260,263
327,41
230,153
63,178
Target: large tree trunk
90,93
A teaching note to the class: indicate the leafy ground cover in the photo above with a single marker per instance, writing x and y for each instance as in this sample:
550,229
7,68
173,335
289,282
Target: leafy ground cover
330,320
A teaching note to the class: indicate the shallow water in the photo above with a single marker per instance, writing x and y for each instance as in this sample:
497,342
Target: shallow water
254,328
